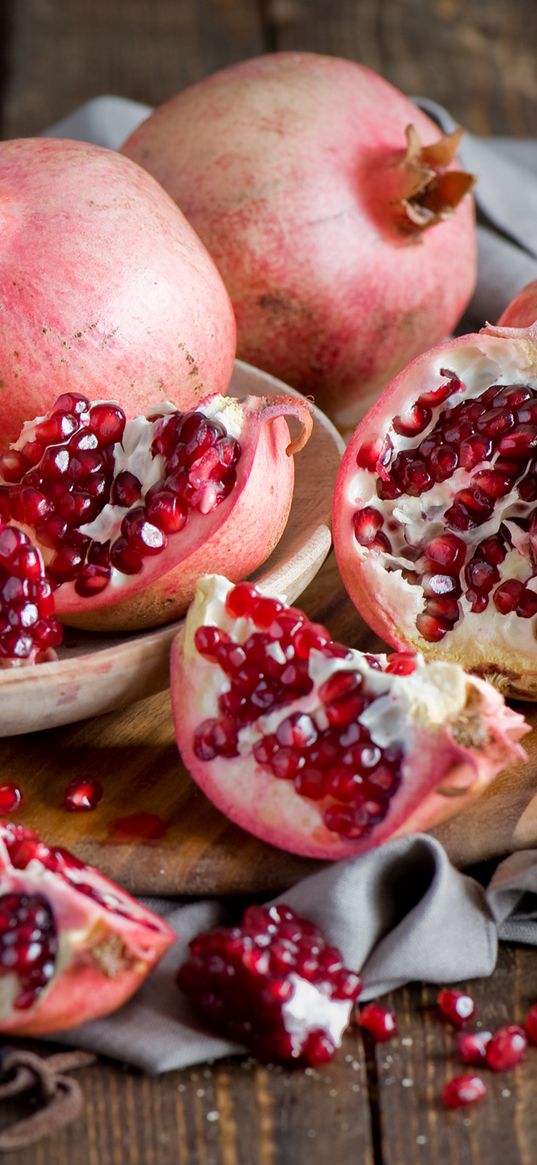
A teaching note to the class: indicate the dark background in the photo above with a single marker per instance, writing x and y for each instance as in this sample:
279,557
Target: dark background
476,56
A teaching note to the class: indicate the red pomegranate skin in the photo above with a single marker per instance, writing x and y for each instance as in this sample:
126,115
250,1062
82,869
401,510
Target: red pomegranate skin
522,311
288,167
105,288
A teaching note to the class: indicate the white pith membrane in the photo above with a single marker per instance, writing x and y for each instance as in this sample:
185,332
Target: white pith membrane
462,716
487,638
82,923
133,454
309,1008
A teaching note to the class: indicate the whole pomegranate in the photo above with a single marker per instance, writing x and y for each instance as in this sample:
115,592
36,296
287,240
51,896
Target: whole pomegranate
435,508
73,946
522,311
316,747
334,229
105,288
126,515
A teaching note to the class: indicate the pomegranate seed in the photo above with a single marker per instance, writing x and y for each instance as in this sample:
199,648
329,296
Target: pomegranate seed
448,551
433,629
531,1024
126,489
506,1048
241,601
412,422
472,1046
368,455
463,1090
11,798
82,795
247,982
401,663
507,595
380,1021
107,421
457,1006
367,523
208,640
526,606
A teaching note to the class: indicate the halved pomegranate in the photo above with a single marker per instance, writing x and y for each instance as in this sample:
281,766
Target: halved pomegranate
129,513
316,747
73,946
435,508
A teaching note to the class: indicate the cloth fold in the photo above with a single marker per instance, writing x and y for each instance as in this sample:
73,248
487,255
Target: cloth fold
402,912
398,913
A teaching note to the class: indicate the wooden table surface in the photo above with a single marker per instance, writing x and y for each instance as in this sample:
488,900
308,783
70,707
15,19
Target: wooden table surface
373,1106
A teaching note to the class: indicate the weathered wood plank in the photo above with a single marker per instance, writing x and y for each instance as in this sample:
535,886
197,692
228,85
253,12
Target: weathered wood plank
236,1112
477,59
411,1073
63,54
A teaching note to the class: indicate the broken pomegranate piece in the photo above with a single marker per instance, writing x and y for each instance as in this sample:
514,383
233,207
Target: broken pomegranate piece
435,508
129,513
316,747
73,946
272,984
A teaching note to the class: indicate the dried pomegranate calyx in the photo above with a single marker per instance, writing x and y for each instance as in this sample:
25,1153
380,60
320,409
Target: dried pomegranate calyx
432,192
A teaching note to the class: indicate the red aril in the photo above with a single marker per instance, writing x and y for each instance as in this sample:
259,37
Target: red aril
82,795
457,1006
73,946
507,1048
320,749
342,240
273,984
129,513
464,1090
472,1046
105,288
452,568
530,1024
11,797
379,1021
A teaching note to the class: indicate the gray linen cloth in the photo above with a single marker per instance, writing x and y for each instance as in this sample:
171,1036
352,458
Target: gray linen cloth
401,912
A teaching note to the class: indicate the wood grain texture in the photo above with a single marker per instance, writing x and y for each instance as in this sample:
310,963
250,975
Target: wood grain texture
62,52
477,59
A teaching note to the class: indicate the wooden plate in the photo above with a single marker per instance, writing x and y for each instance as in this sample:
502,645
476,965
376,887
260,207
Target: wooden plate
97,673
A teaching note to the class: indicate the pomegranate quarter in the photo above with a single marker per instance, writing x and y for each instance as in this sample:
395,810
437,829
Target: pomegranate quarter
435,508
73,946
318,748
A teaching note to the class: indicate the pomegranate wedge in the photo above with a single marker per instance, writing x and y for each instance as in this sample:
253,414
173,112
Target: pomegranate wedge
73,946
435,508
129,513
316,747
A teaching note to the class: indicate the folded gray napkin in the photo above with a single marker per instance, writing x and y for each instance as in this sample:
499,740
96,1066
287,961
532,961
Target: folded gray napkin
402,912
398,913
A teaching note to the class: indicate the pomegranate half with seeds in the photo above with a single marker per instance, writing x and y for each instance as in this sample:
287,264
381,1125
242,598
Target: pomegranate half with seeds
73,946
316,747
129,513
105,288
435,508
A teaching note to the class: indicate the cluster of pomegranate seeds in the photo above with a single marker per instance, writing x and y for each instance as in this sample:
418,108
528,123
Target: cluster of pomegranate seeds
29,630
492,437
273,984
82,795
61,478
457,1006
327,756
379,1021
28,944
